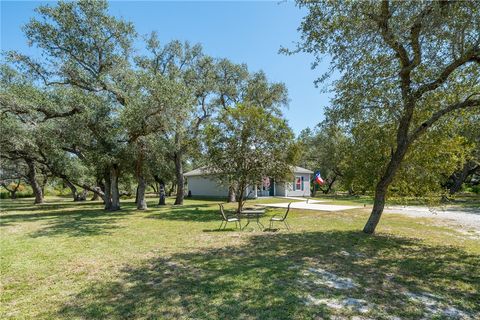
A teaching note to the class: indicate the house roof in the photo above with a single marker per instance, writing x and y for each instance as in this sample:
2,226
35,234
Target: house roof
301,170
198,172
203,171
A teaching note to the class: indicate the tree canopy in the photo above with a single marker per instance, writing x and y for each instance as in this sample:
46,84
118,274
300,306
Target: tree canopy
406,68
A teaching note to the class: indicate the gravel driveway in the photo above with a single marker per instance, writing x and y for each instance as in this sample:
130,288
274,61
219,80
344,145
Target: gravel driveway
466,218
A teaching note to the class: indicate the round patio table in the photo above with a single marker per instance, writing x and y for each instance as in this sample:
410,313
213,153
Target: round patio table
252,214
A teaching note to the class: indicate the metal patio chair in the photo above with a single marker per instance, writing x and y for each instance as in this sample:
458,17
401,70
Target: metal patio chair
226,219
281,219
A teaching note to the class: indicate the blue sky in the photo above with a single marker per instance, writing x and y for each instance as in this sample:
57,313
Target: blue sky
244,32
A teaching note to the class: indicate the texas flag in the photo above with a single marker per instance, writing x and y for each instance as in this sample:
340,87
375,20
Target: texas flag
318,178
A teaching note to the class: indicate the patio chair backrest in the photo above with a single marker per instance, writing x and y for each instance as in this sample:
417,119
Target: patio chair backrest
224,217
288,210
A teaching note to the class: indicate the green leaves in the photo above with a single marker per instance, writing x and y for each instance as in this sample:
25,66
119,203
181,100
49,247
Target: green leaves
246,143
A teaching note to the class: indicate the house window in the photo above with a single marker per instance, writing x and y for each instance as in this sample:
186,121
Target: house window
298,183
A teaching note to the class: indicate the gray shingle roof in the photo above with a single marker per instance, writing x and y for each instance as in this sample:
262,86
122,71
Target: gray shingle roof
301,170
202,171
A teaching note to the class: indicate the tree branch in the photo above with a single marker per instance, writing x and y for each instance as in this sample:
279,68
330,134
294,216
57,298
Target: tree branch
472,55
467,103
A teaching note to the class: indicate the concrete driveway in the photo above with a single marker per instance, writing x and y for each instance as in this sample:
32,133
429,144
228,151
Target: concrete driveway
310,205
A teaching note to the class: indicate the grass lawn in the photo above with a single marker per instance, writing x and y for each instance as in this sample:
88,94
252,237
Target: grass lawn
75,261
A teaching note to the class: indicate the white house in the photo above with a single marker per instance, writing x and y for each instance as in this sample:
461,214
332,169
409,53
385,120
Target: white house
201,182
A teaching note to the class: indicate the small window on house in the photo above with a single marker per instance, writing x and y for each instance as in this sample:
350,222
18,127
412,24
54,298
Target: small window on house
298,183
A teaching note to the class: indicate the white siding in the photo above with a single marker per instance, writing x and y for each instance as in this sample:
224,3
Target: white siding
280,189
207,186
306,186
203,186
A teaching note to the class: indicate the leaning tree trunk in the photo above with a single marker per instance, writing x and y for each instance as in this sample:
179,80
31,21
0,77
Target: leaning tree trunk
330,185
95,197
72,188
382,187
458,178
32,179
142,186
180,179
101,186
115,194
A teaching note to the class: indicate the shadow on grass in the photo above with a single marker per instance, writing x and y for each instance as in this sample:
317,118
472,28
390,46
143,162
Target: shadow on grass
27,205
271,277
194,212
75,223
82,223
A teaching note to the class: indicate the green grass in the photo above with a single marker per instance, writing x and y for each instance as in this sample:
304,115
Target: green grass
65,260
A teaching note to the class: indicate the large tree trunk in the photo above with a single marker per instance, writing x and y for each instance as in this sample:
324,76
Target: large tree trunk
115,194
378,206
161,193
136,194
382,187
180,179
107,198
32,179
142,186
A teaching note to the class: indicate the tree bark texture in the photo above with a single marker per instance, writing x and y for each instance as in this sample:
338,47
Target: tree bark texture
142,186
382,187
161,193
115,194
72,188
32,179
180,180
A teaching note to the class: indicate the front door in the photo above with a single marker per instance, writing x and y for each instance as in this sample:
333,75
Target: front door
272,187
